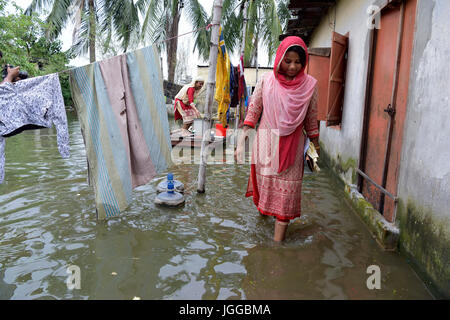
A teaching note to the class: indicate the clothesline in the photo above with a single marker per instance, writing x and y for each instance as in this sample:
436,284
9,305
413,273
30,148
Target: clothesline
178,36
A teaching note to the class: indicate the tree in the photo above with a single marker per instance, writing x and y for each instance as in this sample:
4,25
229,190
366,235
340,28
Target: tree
110,17
266,21
161,20
182,72
24,44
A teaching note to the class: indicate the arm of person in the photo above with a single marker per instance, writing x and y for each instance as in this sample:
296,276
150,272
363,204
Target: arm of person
315,141
253,115
196,110
13,73
190,94
240,148
311,127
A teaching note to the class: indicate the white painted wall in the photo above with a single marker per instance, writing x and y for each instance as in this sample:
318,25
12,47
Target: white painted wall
351,17
425,165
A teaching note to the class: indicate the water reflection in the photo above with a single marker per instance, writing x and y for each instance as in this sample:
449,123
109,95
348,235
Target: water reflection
216,246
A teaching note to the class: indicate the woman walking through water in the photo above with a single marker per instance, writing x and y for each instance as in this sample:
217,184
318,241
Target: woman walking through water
184,107
287,100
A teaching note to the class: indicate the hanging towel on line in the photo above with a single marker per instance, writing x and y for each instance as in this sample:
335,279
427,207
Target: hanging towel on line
222,94
121,108
33,103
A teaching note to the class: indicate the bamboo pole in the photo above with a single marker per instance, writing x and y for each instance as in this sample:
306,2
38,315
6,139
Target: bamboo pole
210,85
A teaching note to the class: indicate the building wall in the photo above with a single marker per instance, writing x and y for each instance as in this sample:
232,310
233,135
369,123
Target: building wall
423,214
424,179
250,74
343,144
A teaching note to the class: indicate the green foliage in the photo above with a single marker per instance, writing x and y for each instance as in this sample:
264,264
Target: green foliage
95,21
266,21
24,44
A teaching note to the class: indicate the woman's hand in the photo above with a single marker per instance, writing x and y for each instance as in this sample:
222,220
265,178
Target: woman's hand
315,141
13,73
197,113
239,154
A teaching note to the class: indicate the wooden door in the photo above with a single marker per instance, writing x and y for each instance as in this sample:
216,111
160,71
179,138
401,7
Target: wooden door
389,90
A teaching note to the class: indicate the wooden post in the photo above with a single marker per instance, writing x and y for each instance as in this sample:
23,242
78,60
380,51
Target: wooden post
210,86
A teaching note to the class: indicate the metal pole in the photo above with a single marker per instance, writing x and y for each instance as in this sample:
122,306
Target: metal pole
210,85
383,190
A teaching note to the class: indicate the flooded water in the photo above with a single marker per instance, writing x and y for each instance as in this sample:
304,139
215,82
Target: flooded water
214,247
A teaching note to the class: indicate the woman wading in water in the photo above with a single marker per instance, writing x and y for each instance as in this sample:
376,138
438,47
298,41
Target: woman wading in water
287,100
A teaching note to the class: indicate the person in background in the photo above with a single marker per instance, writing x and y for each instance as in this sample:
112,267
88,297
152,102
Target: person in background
13,73
184,107
287,100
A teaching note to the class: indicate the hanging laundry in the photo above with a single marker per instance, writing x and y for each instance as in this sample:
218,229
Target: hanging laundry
234,86
233,91
242,92
121,108
222,94
33,103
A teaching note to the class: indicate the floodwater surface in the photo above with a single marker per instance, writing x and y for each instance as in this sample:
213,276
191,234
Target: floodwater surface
216,246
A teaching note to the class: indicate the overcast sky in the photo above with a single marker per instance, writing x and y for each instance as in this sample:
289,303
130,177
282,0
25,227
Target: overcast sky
66,38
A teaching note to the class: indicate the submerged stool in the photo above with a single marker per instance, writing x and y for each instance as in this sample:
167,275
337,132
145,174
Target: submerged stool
162,186
170,197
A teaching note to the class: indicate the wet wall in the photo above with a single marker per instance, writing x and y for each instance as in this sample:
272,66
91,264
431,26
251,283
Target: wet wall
423,214
424,179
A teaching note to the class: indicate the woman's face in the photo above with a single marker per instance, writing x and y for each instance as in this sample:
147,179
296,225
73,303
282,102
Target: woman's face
290,65
198,85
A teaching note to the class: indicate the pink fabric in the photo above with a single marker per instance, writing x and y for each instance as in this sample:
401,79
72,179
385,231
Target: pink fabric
186,107
118,87
277,195
241,87
286,103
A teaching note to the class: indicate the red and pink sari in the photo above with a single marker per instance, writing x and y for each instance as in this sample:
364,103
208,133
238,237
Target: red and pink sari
287,107
183,104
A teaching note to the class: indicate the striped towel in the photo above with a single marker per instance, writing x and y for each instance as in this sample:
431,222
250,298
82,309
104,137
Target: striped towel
121,108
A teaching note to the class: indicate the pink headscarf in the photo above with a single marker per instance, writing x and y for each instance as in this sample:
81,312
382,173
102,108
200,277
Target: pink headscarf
286,103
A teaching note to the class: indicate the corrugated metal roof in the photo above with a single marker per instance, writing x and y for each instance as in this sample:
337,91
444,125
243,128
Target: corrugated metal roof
306,17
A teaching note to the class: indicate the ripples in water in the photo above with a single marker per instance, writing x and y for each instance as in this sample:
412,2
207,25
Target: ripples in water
216,246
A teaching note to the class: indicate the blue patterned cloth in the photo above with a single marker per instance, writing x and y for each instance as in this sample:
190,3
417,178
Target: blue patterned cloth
32,103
